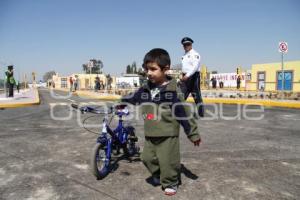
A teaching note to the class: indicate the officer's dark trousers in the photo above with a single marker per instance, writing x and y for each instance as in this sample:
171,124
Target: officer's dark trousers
11,90
192,85
7,89
161,156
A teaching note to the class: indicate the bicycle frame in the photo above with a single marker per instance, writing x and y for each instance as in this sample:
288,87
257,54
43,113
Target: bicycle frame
122,137
117,137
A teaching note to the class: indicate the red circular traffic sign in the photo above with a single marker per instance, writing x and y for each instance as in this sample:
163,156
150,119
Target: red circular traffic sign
283,47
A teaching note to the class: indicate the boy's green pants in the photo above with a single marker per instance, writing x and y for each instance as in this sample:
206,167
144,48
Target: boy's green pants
161,156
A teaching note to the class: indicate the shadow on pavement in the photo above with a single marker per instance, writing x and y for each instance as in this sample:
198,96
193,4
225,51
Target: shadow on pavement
115,164
188,173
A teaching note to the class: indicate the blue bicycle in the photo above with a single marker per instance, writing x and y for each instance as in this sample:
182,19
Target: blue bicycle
111,141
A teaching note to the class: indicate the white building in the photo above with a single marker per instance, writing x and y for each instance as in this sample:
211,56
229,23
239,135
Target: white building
229,79
128,81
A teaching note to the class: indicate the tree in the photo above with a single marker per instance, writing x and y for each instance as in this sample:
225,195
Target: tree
48,75
141,72
96,66
133,68
128,69
85,68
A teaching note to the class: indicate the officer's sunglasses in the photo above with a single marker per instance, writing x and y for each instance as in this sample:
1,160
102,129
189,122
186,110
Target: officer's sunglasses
187,44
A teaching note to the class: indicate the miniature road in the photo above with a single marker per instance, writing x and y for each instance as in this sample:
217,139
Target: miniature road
43,158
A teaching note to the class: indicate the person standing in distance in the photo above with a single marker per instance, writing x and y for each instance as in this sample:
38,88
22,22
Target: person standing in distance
190,81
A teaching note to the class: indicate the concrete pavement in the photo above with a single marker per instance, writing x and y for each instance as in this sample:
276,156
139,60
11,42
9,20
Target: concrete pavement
240,158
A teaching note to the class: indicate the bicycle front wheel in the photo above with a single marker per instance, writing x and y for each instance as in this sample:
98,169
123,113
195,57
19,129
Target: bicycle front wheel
99,161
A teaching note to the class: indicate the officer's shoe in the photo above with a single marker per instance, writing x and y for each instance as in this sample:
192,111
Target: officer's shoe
201,111
170,190
154,181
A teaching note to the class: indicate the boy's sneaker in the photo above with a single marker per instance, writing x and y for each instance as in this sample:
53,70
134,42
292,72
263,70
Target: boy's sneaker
154,181
171,190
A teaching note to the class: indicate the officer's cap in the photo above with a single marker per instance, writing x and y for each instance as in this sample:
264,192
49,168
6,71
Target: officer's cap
10,67
186,40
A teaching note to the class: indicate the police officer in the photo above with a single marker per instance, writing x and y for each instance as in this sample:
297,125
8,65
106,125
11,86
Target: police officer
190,81
10,81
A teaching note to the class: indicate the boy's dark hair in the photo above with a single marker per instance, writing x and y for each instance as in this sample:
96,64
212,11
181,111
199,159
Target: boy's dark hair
159,56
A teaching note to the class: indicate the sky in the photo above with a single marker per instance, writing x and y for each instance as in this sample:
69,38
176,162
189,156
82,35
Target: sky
61,35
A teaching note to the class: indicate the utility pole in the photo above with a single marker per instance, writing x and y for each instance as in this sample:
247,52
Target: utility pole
282,73
90,65
4,75
283,48
25,81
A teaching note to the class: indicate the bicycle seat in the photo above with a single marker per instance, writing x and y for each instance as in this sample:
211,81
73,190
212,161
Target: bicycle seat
120,106
121,109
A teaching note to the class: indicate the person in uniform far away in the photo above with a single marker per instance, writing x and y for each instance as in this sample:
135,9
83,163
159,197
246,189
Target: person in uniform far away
238,82
190,81
10,81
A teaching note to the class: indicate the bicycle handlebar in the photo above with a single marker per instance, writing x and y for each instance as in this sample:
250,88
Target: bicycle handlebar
89,109
97,111
74,105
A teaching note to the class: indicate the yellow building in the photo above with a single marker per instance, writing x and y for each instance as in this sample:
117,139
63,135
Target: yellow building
85,81
268,77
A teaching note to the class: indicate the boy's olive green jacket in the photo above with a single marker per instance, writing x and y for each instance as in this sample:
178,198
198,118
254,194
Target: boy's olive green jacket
164,114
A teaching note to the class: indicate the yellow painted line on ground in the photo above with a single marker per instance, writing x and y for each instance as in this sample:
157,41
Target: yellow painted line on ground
106,97
36,101
88,94
262,102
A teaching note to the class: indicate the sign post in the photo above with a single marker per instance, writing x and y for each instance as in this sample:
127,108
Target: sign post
283,48
90,65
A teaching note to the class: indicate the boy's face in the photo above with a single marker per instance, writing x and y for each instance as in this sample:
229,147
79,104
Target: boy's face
155,74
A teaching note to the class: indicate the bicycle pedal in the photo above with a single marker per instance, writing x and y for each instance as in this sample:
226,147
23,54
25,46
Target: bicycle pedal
133,138
115,152
137,149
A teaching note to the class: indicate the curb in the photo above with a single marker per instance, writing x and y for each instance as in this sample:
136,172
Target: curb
36,101
87,94
105,97
266,103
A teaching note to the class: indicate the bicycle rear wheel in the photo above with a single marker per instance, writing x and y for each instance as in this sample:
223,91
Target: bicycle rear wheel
99,161
131,146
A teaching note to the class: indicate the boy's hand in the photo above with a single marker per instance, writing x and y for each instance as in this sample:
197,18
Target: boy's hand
197,142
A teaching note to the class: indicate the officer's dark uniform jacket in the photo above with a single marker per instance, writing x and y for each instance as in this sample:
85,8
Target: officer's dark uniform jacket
157,111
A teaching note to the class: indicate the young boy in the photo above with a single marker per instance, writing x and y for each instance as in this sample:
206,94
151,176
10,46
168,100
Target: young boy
163,114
